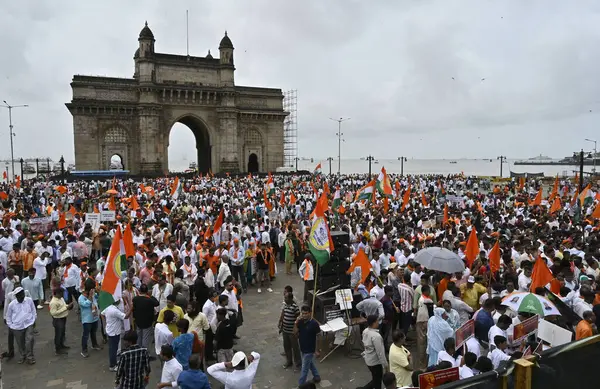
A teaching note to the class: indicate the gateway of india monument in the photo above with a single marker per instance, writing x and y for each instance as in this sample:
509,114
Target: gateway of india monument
237,128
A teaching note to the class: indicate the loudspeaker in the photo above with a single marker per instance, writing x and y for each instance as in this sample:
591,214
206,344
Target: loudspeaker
326,308
328,281
340,238
334,267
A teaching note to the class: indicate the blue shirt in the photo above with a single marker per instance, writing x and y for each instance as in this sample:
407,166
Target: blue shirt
193,379
483,323
307,335
85,305
182,346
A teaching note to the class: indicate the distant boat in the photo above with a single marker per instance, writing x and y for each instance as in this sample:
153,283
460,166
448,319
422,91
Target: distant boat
453,162
28,168
193,166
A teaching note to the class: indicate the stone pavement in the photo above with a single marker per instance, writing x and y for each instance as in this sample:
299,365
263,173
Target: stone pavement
259,333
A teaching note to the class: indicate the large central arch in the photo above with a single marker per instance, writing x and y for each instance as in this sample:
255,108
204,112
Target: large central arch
203,141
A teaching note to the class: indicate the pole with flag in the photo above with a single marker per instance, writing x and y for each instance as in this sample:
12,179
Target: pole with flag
115,264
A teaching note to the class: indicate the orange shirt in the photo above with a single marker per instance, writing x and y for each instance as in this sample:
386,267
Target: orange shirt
442,287
583,330
28,258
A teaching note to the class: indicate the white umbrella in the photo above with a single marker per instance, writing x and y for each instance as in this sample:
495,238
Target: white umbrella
515,301
440,259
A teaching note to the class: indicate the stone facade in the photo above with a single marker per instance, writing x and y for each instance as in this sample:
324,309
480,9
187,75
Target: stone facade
132,117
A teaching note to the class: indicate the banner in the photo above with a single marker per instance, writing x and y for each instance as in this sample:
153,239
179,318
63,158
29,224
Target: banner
93,219
437,378
41,225
107,216
464,333
526,327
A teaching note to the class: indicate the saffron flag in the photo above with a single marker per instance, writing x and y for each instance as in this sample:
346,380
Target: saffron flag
537,200
175,189
128,241
386,205
267,202
367,192
217,229
282,199
596,213
406,198
424,199
555,205
541,275
292,199
319,239
554,189
521,183
362,261
495,258
383,183
115,264
472,249
62,221
445,222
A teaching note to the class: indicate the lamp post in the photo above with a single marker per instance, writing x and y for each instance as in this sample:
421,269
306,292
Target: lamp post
402,160
21,162
7,176
329,159
62,168
11,133
595,154
339,135
296,159
48,166
370,158
502,159
37,167
580,170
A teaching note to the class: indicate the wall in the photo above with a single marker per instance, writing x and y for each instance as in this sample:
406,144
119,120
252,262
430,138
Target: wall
181,74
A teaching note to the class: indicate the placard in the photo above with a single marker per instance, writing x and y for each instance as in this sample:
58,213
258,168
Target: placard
553,334
454,199
93,219
437,378
107,216
41,225
333,312
464,333
526,327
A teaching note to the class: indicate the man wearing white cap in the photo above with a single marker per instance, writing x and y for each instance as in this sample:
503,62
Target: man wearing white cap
20,318
244,370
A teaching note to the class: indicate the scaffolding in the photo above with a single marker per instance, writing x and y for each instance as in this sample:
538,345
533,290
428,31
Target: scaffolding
290,127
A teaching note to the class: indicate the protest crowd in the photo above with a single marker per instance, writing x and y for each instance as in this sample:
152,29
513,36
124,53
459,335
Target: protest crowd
450,274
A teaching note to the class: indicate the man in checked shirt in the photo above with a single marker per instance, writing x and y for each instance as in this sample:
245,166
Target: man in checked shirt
133,369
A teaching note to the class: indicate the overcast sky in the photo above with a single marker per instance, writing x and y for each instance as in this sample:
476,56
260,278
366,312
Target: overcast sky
424,79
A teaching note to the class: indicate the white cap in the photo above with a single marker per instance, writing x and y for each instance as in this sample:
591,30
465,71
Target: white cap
17,290
239,357
471,280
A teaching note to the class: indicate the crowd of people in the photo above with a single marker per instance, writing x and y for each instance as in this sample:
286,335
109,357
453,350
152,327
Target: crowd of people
199,244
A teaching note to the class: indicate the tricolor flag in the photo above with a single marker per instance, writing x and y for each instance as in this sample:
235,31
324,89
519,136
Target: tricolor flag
217,229
175,189
319,239
586,198
270,186
383,183
367,192
317,169
115,264
337,200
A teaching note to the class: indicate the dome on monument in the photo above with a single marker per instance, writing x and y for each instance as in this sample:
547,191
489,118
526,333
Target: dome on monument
209,55
146,32
225,43
137,53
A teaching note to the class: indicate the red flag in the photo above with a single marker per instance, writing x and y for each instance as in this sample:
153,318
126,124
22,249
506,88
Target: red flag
472,250
541,275
361,260
495,258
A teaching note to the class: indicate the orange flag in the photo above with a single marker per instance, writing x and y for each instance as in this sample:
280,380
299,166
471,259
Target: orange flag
541,274
495,258
405,198
207,234
18,182
96,210
341,209
555,205
62,221
282,199
134,204
596,213
4,175
423,199
128,240
445,221
112,206
267,202
3,196
554,188
248,194
538,199
472,250
386,205
521,183
72,210
397,185
574,199
292,198
361,260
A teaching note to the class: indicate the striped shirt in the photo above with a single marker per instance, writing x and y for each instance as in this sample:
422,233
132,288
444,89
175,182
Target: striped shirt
406,297
290,314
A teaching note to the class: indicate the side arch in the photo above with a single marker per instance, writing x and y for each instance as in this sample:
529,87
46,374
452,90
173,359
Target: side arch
115,141
253,150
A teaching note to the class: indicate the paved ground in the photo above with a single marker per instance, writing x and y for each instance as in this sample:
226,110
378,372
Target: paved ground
259,333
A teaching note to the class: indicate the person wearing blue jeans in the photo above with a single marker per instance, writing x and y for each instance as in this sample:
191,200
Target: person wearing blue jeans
307,329
88,305
114,318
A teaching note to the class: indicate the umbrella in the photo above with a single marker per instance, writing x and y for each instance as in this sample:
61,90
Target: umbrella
530,302
440,259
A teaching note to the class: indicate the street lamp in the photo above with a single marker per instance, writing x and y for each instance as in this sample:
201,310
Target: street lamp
62,168
11,133
329,159
21,162
370,158
402,160
37,167
296,159
502,159
339,135
7,177
595,154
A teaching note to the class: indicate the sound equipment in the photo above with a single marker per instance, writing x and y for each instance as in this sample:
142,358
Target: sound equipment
341,246
326,308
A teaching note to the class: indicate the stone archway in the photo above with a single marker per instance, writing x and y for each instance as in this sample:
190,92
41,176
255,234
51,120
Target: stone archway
203,142
253,163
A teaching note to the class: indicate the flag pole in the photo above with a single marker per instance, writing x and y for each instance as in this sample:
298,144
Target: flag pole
312,310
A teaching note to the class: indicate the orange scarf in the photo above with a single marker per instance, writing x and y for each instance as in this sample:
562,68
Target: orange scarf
66,273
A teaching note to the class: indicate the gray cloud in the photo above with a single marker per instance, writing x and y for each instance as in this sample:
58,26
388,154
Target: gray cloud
387,64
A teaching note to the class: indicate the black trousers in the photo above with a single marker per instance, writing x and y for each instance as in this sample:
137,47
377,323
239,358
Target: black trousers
376,377
208,344
73,294
60,328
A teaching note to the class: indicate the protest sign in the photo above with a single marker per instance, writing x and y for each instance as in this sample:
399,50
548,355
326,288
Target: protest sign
107,216
526,327
41,225
437,378
465,332
93,219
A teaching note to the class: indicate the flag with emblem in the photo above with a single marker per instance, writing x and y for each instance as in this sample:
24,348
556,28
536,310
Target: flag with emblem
270,186
115,264
367,192
175,189
319,239
383,183
337,200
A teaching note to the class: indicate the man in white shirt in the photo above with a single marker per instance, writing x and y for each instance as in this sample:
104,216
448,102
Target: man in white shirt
498,355
525,280
162,333
209,309
171,368
20,317
244,370
71,279
160,291
236,256
114,319
224,272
